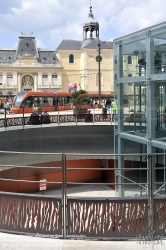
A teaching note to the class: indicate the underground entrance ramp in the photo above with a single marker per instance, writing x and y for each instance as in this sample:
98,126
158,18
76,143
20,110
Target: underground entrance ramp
68,139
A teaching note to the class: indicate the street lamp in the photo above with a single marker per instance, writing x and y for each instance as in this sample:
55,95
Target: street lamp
99,59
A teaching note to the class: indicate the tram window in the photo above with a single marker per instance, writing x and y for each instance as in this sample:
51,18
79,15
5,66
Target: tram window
37,101
43,101
28,102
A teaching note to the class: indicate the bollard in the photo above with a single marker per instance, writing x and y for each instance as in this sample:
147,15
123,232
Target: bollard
5,118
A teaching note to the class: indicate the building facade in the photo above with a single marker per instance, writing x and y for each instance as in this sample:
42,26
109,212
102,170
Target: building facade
28,68
143,56
73,62
79,63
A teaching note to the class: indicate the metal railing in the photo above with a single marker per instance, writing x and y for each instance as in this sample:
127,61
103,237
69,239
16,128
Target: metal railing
58,119
70,216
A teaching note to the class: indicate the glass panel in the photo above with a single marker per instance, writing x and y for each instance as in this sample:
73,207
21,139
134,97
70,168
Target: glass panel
132,177
160,109
159,172
43,101
64,100
134,59
18,99
159,58
28,102
135,111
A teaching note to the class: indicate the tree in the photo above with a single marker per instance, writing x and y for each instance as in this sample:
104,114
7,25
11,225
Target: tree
79,98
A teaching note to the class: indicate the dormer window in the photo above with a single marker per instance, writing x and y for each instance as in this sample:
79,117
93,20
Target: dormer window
71,58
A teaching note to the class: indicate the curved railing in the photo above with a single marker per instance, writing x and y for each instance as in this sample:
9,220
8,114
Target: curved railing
142,217
65,118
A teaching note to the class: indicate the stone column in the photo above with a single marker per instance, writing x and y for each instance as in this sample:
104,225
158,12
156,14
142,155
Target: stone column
49,80
35,88
4,79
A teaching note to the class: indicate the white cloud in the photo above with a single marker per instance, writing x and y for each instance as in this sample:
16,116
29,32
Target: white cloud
53,20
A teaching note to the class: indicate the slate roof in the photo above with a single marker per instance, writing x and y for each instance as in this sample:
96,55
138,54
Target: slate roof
70,45
27,45
90,43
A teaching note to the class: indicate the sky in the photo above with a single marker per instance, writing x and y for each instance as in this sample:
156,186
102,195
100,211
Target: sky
52,21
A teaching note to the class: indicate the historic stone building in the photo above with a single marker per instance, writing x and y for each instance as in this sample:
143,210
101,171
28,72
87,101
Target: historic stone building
78,59
32,68
29,68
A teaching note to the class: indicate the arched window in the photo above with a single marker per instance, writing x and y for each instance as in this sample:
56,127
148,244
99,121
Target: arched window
129,75
27,79
129,60
10,93
71,58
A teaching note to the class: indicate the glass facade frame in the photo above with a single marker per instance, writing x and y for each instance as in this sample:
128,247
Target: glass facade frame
144,84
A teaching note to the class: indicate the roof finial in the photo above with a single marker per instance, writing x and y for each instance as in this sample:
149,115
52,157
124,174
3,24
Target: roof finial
91,14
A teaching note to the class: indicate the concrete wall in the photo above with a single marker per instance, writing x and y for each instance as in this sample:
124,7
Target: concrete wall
67,139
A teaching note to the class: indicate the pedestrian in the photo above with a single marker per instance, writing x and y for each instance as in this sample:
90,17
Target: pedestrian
108,104
45,118
34,118
1,106
114,108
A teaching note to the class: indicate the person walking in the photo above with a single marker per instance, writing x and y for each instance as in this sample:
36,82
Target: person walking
108,104
114,108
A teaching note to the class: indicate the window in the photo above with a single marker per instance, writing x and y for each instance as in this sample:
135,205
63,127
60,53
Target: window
54,79
43,101
101,79
129,59
129,75
71,58
0,79
44,79
28,102
9,80
27,79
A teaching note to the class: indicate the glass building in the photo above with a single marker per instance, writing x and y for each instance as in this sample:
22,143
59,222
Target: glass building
140,77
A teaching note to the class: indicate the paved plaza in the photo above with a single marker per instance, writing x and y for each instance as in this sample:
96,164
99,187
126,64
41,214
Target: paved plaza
21,242
37,242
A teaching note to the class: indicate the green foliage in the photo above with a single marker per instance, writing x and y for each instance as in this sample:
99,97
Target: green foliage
79,98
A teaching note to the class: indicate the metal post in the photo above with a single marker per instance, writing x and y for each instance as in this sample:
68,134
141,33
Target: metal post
99,59
150,194
64,193
58,112
5,118
23,118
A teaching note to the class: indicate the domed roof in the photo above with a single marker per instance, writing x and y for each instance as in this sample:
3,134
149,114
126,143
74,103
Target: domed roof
91,19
